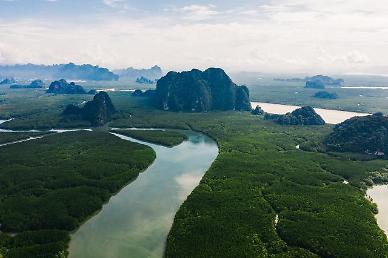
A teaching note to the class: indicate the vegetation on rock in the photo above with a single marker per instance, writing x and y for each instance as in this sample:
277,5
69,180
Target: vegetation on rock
198,91
325,95
144,80
36,84
258,111
98,112
367,134
63,87
321,81
301,116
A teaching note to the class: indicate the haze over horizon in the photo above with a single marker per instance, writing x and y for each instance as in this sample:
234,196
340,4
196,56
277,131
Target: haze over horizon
273,36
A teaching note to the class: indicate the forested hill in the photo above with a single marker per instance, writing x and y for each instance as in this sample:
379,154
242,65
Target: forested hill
198,91
361,134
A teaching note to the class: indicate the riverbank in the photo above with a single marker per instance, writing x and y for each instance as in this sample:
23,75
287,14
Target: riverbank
136,221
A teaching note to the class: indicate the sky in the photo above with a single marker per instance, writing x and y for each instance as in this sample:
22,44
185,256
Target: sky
268,36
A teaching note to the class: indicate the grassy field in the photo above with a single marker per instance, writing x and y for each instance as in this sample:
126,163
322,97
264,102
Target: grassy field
164,138
260,175
47,189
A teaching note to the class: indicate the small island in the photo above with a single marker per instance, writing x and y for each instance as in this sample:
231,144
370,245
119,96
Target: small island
302,116
325,95
7,81
321,82
98,112
144,80
197,91
35,84
63,87
366,135
160,137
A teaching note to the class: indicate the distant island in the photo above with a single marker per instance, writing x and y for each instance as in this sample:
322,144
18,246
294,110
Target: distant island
367,134
69,71
35,84
98,112
325,95
131,73
321,82
140,93
63,87
291,79
302,116
197,91
7,81
144,80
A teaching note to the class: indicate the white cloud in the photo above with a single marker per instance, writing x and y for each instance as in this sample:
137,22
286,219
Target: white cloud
334,36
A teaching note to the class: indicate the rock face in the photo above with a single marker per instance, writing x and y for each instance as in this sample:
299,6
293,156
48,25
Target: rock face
367,134
301,116
198,91
36,84
325,95
98,112
321,81
63,87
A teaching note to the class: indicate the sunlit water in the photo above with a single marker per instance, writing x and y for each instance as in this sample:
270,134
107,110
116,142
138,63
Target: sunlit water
330,116
135,223
379,195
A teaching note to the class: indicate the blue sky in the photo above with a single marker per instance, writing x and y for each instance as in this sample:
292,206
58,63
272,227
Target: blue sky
285,36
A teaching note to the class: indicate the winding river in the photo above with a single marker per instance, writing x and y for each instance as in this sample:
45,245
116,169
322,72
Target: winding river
135,222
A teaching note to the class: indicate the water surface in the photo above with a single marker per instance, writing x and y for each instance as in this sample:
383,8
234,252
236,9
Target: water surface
135,223
330,116
379,195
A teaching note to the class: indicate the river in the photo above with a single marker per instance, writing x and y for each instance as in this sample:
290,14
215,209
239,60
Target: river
379,195
330,116
135,222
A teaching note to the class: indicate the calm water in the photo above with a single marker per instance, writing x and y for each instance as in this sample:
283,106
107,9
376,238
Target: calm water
330,116
136,221
379,195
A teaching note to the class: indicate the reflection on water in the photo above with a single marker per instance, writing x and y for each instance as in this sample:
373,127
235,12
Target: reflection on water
330,116
136,221
379,195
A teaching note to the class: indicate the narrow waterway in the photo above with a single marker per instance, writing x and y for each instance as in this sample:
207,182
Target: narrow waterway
135,223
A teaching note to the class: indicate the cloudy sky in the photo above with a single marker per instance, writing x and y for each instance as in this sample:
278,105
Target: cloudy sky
282,36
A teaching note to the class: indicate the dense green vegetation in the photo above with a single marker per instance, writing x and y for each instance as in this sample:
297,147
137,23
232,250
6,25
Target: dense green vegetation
258,174
360,134
325,95
13,137
165,138
98,111
48,188
300,116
